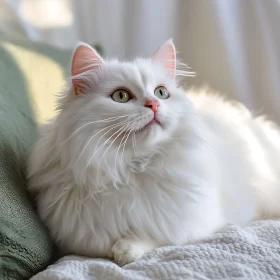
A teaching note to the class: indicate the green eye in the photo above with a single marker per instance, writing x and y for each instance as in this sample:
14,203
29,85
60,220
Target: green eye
121,96
161,92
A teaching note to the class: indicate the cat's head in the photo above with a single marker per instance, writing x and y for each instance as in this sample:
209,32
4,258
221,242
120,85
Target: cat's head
118,106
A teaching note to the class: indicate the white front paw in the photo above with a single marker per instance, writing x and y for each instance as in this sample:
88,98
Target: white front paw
128,250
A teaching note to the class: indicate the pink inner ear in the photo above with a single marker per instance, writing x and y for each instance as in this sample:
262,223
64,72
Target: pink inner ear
85,58
166,55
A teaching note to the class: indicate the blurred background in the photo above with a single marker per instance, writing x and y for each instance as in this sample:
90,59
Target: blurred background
232,45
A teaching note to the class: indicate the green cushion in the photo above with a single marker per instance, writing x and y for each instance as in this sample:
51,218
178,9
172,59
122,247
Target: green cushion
25,247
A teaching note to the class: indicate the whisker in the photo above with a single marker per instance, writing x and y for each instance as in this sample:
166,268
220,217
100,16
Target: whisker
112,126
122,123
205,143
130,130
100,147
86,124
120,145
121,131
134,145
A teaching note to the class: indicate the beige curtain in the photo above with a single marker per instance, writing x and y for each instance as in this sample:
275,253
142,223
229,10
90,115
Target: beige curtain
233,45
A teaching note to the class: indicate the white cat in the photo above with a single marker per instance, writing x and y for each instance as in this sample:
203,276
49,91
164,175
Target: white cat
131,163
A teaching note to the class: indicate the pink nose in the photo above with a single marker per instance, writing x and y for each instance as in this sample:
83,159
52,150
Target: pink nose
152,104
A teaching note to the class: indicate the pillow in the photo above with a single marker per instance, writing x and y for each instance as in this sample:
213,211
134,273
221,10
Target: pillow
31,74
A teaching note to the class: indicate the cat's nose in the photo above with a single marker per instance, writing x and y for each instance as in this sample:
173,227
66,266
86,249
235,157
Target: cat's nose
152,104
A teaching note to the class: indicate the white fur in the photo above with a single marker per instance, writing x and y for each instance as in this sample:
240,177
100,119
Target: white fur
211,163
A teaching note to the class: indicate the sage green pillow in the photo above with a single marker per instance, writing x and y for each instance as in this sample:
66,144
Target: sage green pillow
25,247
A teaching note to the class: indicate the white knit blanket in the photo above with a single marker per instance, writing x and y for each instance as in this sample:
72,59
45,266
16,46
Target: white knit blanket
252,252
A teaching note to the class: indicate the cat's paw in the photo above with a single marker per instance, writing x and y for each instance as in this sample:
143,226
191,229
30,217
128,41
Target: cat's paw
129,250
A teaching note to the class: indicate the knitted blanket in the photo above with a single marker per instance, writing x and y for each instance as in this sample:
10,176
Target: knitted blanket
252,252
29,74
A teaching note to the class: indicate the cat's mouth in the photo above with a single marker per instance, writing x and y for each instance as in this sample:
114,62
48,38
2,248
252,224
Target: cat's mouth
151,123
154,121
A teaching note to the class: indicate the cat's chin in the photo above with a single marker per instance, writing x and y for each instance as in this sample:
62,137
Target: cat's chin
154,123
151,135
151,132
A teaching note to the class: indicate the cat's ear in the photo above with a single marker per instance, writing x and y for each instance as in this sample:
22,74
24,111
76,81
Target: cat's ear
84,59
166,55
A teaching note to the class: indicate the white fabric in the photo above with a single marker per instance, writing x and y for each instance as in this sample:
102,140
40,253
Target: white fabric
236,253
233,45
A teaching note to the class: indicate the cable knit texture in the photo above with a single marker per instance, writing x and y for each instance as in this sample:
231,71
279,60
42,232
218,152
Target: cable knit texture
252,252
25,248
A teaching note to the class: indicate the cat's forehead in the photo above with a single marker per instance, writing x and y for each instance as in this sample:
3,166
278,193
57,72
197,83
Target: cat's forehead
140,72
